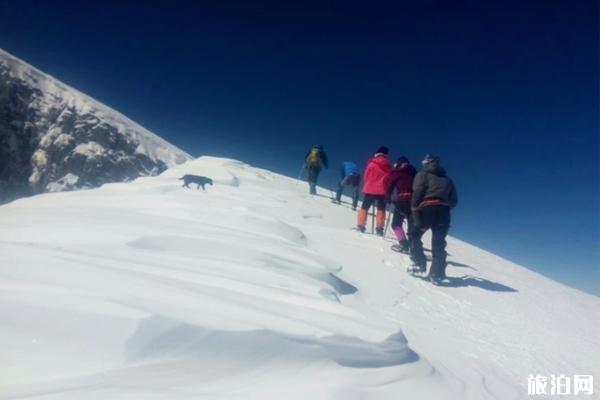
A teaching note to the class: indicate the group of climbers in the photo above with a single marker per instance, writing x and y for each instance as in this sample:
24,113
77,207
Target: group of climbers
423,199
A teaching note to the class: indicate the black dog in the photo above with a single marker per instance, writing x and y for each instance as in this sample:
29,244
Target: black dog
200,180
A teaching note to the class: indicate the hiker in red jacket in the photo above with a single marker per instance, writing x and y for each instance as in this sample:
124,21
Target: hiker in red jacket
374,189
401,182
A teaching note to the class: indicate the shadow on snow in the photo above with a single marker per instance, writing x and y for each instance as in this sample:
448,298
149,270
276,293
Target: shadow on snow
474,281
466,281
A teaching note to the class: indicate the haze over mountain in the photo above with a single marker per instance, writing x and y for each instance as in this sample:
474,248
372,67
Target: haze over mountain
54,138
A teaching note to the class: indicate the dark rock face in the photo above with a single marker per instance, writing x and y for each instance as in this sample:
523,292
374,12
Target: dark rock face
53,138
17,137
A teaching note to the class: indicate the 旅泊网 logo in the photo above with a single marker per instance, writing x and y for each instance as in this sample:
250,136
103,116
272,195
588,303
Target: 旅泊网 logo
560,385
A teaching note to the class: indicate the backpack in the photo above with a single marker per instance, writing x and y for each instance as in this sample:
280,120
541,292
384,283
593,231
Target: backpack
314,158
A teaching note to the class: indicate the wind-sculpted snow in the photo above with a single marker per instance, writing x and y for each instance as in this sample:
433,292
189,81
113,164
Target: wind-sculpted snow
148,290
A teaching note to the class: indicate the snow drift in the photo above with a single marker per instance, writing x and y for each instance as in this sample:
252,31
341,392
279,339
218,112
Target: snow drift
255,290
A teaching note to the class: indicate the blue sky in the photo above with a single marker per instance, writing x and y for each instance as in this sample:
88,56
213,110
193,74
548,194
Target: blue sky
505,92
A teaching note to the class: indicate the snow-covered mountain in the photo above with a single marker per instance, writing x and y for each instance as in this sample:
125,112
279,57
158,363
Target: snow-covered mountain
54,138
254,290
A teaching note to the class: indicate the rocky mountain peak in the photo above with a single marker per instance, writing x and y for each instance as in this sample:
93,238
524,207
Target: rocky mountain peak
55,138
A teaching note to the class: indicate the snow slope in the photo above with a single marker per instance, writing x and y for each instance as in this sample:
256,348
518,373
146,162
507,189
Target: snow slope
255,290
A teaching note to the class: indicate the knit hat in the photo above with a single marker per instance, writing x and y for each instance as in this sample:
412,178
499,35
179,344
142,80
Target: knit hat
402,160
382,150
430,158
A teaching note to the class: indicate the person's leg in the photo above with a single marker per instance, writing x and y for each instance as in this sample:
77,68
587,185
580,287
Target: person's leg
438,250
340,190
364,212
407,214
417,255
380,216
409,228
397,219
354,197
367,202
421,223
317,171
404,207
313,174
354,182
439,231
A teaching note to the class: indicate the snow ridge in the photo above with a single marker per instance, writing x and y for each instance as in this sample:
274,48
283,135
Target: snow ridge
253,289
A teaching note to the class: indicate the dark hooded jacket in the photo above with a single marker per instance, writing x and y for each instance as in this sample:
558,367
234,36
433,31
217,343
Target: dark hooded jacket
401,180
432,186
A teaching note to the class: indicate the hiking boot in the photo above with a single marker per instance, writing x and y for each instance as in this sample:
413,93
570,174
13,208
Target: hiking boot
379,231
400,249
404,246
360,228
420,269
438,269
435,279
421,262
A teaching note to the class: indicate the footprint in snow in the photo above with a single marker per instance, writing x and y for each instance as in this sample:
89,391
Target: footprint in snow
318,216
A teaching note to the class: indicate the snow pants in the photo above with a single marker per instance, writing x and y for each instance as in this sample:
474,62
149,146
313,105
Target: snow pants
313,175
352,180
401,211
368,200
436,218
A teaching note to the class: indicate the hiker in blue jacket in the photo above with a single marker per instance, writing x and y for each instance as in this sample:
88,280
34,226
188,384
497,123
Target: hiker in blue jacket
349,176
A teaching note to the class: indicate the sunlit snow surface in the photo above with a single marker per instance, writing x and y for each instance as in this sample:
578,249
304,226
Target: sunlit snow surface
253,289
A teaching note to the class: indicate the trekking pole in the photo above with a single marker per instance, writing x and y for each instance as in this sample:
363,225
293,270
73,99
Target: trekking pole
373,223
331,190
302,168
388,220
